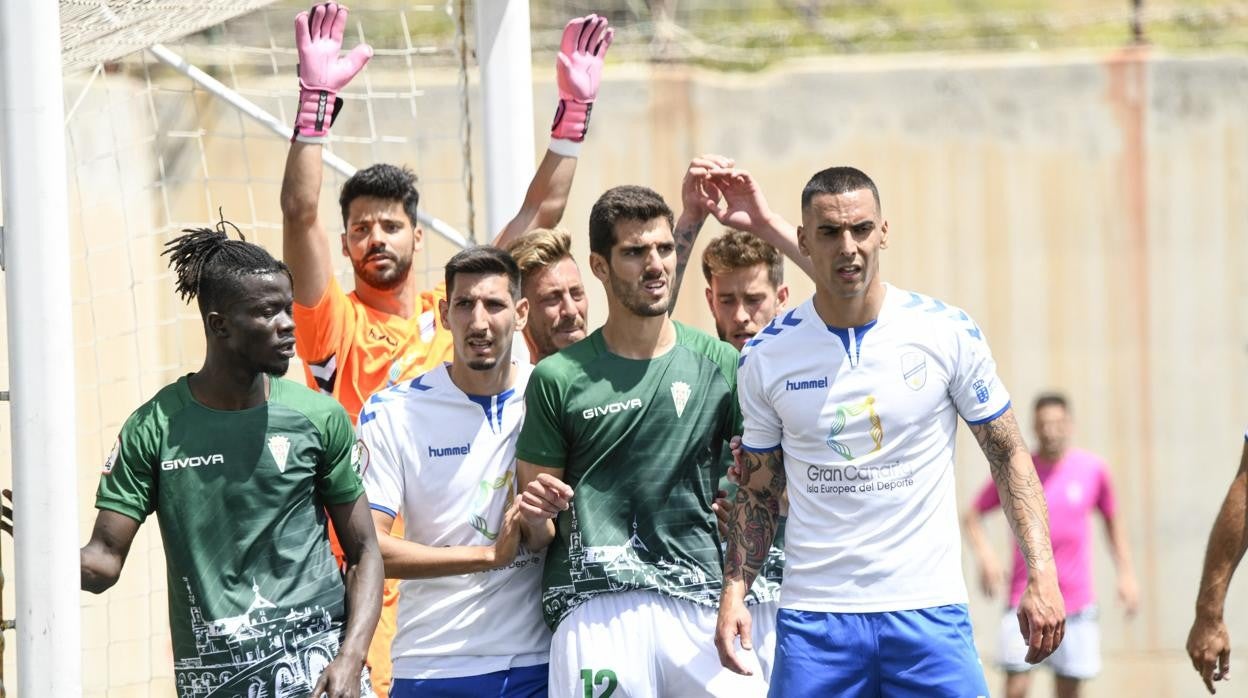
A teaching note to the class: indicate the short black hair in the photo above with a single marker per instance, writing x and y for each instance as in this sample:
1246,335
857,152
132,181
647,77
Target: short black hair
484,259
838,180
1051,399
623,203
210,266
383,182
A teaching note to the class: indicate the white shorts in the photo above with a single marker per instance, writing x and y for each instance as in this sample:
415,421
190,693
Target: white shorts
1078,657
642,644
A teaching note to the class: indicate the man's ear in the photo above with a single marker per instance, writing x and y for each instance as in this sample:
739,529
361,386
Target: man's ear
522,314
884,234
599,266
443,308
710,300
345,252
782,296
215,323
801,240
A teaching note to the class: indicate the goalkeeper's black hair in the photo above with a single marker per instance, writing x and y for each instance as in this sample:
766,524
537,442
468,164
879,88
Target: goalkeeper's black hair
381,181
210,266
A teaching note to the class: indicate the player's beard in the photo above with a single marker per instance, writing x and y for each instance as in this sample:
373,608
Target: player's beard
544,340
630,295
384,280
502,346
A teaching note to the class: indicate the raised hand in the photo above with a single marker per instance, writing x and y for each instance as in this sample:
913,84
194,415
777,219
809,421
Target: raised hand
322,71
744,207
578,73
698,194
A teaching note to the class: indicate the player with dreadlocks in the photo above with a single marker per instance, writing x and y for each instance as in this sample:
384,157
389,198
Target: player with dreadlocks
239,466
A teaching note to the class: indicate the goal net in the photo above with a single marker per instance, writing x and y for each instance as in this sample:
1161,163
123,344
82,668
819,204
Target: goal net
152,151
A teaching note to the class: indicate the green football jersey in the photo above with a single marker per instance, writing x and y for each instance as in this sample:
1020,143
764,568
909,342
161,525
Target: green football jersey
640,442
256,602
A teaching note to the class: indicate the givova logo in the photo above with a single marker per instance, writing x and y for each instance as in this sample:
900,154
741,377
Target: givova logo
841,419
611,408
192,462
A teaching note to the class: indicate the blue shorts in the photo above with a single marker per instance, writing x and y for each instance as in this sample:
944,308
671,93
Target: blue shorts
924,653
517,682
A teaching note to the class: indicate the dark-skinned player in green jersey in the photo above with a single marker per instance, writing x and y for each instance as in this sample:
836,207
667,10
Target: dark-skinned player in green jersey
239,467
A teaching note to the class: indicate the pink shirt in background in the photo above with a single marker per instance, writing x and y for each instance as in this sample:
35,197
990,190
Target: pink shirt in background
1073,487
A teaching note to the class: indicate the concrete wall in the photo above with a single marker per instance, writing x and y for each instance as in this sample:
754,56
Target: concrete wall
1087,210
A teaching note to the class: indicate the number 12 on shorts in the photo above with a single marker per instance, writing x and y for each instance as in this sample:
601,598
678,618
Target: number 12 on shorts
591,678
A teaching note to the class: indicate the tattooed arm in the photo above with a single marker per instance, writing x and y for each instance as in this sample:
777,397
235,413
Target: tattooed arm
751,529
1041,612
696,201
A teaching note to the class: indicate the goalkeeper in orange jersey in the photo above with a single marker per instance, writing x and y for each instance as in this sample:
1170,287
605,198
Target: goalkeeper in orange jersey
387,330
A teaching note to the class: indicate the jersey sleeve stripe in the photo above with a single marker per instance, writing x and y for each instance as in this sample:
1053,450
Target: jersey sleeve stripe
384,510
755,449
989,418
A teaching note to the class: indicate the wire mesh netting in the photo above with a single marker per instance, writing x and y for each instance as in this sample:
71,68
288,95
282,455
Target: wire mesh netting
151,152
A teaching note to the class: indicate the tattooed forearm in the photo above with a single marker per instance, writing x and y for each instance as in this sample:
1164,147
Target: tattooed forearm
755,513
686,233
1022,495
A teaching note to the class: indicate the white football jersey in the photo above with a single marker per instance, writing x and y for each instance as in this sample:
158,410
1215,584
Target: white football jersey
446,462
866,417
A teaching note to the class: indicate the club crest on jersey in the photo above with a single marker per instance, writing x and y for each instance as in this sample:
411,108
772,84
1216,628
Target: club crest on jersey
981,391
279,448
680,396
914,369
112,458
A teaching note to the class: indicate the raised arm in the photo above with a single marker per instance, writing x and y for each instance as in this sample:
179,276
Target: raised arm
1041,611
698,196
322,73
1208,643
745,208
406,559
751,529
578,73
364,577
102,558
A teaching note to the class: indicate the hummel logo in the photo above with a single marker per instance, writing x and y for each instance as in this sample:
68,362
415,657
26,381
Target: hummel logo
450,451
611,408
806,385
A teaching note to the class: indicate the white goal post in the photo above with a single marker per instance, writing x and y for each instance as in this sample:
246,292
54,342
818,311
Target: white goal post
44,172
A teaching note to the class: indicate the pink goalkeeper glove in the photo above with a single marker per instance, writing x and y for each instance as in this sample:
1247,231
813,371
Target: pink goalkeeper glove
578,72
322,73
